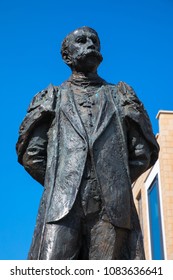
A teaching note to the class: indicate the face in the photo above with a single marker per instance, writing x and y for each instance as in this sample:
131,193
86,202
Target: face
83,49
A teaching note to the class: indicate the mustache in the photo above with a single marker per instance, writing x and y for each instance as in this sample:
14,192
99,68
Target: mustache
90,52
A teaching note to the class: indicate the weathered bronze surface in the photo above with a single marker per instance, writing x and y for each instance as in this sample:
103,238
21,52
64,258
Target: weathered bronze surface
86,141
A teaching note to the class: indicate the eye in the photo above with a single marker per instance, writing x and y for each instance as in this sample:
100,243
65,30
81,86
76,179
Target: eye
81,39
94,39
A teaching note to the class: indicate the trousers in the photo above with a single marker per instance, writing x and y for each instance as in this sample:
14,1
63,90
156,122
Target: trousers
83,237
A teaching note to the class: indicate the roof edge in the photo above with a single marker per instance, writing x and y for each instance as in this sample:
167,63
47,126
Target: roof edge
163,112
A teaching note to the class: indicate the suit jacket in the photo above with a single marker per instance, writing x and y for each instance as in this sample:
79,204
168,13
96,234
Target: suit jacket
53,147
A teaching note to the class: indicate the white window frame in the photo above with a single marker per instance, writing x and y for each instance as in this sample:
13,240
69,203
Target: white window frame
155,171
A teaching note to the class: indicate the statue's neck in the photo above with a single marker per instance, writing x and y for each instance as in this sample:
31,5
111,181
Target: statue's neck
84,80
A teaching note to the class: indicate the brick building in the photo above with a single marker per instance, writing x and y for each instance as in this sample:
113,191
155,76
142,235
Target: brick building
153,196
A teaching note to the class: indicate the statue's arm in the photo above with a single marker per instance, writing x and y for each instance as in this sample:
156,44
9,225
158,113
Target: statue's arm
32,143
139,151
35,156
143,148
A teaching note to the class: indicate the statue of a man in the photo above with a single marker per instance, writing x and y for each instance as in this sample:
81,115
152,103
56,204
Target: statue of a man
86,141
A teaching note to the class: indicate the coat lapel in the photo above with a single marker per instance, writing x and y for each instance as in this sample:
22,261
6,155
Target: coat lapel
107,110
69,108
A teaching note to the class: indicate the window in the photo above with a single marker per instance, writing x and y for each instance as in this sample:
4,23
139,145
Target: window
155,221
139,200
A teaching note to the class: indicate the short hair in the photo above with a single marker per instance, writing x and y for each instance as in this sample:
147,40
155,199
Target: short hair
65,42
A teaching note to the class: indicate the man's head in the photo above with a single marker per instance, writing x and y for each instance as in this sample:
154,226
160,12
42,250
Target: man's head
81,50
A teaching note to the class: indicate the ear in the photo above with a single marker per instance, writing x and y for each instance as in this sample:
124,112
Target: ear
66,57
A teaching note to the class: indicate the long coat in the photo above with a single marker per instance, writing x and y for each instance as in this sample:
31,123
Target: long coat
60,167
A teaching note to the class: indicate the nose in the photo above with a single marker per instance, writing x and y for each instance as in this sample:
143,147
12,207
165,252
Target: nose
90,44
91,47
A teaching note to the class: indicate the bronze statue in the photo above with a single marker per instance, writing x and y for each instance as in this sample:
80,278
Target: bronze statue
86,141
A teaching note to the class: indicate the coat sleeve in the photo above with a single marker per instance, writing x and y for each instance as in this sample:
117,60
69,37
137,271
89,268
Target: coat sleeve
142,145
139,151
32,142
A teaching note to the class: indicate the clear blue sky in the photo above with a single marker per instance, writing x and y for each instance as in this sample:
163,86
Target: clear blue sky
137,46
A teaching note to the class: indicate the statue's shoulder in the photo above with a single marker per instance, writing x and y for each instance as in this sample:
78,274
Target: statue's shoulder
133,109
124,96
127,99
127,94
41,108
44,98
